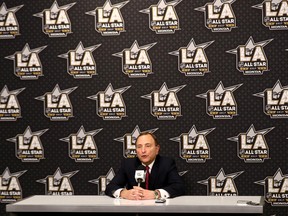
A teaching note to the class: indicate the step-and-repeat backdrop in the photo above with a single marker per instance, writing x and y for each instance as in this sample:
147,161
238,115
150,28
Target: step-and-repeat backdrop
81,79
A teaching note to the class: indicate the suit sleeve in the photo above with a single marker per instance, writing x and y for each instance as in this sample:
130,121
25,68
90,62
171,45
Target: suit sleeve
124,178
117,182
175,184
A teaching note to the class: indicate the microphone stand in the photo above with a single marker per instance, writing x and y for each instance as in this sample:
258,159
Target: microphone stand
139,182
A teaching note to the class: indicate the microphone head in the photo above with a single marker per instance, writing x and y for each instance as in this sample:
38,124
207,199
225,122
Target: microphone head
140,174
141,167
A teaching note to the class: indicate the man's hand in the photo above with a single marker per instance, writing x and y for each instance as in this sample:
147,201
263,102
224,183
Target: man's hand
137,193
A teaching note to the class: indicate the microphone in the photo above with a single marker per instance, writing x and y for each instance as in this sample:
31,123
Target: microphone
140,174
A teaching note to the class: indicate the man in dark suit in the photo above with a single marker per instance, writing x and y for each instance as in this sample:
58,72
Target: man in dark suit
164,179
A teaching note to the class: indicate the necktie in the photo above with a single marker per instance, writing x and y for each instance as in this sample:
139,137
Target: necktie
147,177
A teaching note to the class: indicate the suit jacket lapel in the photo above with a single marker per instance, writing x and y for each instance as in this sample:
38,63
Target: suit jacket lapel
155,172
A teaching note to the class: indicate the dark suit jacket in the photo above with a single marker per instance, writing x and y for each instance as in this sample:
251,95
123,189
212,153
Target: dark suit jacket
164,175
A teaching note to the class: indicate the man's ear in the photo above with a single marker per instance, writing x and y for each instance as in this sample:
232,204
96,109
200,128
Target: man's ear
158,146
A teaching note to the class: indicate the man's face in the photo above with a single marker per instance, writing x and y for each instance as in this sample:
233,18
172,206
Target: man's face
146,149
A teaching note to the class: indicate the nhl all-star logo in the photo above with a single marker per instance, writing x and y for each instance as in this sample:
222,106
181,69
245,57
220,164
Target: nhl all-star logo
193,146
274,14
164,103
129,141
55,20
103,180
9,26
27,64
28,145
221,184
82,146
80,62
108,19
275,188
57,104
110,104
252,145
136,62
275,101
10,187
251,58
59,183
192,60
219,15
10,109
220,102
163,18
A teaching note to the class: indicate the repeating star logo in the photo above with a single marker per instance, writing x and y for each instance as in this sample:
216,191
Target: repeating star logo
275,188
110,91
217,5
221,184
11,190
7,175
274,14
192,59
220,102
163,17
5,93
4,10
251,58
103,180
8,22
110,104
182,173
275,100
82,146
129,141
59,183
252,146
10,109
57,104
164,103
193,146
80,62
108,19
162,5
55,20
28,145
219,15
27,64
136,62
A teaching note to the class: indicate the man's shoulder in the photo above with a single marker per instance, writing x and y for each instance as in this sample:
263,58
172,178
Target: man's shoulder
166,159
130,161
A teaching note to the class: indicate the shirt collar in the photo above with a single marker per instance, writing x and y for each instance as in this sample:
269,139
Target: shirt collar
150,165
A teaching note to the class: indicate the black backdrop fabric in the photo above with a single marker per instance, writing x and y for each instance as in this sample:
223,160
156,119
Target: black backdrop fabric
110,147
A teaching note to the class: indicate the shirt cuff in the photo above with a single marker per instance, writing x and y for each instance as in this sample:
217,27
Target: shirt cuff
116,193
164,193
